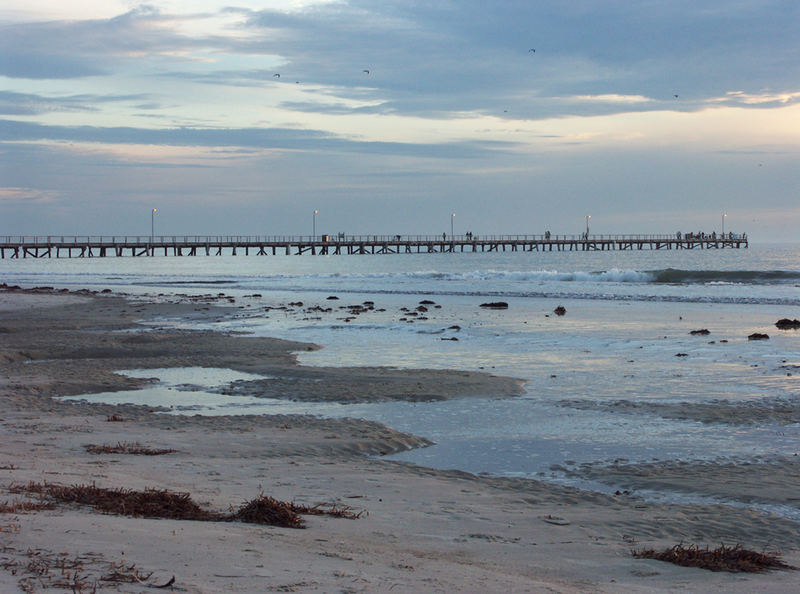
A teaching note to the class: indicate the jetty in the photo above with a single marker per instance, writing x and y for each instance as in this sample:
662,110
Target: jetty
93,246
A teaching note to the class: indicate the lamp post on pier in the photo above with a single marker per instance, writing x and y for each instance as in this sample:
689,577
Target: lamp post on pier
152,224
724,214
314,225
452,218
587,225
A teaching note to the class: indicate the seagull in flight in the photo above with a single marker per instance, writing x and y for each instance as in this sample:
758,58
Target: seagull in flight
366,71
276,75
532,50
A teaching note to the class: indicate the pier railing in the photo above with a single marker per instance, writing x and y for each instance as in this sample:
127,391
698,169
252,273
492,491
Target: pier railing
48,246
12,240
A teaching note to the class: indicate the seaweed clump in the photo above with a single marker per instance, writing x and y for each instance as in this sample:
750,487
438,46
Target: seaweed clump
149,503
267,510
164,504
128,448
734,559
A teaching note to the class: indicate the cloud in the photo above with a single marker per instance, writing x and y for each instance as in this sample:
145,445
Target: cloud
764,99
83,48
453,95
12,103
610,98
273,138
27,195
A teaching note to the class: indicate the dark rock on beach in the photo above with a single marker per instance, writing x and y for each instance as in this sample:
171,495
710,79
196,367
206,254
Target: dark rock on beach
701,332
758,336
560,310
495,305
787,324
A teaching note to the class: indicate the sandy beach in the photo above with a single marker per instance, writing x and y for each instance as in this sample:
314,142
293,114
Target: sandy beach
421,530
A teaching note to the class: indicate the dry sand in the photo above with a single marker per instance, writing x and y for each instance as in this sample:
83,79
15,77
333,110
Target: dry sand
423,530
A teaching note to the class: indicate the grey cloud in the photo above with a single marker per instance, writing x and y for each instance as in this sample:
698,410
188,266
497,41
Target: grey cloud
274,138
76,49
430,58
434,56
16,63
12,103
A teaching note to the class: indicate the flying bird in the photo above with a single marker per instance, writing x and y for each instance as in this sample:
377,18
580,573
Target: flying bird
276,75
675,96
366,71
532,50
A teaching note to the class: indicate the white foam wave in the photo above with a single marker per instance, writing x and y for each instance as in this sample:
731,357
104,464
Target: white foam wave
614,275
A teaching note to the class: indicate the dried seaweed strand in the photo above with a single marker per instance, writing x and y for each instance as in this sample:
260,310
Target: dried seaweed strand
734,559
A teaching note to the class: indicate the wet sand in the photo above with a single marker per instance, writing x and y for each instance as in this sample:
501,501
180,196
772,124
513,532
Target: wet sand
777,411
423,530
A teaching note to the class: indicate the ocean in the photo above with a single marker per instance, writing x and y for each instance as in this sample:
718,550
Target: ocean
618,377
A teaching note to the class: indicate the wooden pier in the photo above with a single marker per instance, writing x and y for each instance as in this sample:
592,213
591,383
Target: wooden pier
76,246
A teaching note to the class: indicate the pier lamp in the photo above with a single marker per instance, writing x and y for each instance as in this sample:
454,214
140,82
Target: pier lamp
724,214
152,224
314,224
587,225
452,218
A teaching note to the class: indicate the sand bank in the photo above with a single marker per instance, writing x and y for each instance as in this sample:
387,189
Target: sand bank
768,482
423,530
778,411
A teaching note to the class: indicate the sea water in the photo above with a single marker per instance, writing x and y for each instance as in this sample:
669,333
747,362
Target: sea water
625,337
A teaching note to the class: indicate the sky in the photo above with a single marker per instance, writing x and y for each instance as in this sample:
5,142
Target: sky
243,117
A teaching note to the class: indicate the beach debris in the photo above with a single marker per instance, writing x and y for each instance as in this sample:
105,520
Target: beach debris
495,305
42,569
787,324
734,559
452,338
266,510
427,302
329,509
701,332
556,520
681,354
150,503
115,418
161,503
332,298
758,336
560,310
24,507
127,448
167,584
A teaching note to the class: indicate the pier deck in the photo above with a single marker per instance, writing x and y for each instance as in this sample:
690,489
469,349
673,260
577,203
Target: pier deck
76,246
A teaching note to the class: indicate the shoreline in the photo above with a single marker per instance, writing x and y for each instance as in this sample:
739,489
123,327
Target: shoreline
425,529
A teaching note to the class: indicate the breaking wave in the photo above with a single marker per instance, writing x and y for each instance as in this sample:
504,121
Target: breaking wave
614,275
675,276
